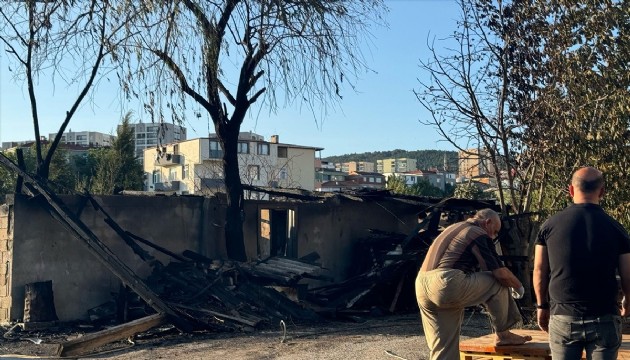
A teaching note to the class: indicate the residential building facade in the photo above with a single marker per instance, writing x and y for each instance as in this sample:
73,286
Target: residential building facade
85,138
152,135
472,164
351,166
196,166
398,165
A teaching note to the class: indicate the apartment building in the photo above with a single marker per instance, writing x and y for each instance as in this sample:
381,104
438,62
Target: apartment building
356,180
84,138
472,164
351,166
195,166
151,135
326,171
398,165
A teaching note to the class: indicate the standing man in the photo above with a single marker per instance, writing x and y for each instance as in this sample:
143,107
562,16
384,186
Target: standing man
449,281
577,253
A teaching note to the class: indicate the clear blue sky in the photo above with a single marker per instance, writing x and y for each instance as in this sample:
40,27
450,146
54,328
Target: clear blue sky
382,115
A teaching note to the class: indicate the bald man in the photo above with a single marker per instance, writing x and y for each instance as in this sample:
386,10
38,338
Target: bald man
461,269
578,252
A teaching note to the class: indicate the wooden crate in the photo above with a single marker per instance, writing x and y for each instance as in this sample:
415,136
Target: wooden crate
483,348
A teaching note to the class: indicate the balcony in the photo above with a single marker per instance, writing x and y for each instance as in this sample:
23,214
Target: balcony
168,160
215,154
167,186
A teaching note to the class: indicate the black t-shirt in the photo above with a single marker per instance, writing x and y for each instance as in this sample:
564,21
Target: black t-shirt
583,244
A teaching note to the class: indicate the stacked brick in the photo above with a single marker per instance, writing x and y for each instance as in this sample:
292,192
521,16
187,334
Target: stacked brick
6,257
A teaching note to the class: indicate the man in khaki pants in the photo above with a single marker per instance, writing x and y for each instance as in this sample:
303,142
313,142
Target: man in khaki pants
462,269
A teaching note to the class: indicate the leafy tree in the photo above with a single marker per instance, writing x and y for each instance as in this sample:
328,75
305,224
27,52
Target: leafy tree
299,50
116,168
396,184
61,175
422,187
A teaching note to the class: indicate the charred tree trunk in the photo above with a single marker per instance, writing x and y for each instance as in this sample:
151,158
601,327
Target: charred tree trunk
235,244
39,303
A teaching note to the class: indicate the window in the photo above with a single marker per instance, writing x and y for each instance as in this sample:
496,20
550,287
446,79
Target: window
263,149
157,177
153,129
371,179
253,172
151,141
379,180
283,174
81,137
243,148
282,151
141,136
215,150
172,174
185,171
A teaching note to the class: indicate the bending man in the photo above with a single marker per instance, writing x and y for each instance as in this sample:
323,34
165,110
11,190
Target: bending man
461,269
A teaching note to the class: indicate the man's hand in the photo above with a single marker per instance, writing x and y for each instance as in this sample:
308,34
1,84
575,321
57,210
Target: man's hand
543,319
625,311
506,278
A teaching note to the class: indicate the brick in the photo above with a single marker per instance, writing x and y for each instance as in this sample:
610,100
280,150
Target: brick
4,316
4,222
5,302
4,291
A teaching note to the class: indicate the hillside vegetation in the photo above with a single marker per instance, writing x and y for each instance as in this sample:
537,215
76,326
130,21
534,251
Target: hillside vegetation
426,158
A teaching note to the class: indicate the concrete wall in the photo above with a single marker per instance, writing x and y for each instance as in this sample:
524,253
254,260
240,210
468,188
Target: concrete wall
35,247
44,250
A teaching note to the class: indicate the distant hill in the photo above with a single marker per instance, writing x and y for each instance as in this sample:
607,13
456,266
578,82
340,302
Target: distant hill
426,158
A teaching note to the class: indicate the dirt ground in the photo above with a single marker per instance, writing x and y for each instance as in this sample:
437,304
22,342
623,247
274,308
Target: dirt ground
388,337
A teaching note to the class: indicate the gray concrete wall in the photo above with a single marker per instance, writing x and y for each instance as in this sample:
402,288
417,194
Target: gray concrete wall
44,250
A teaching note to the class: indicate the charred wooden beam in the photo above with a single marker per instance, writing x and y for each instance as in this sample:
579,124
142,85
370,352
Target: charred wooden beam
156,247
89,342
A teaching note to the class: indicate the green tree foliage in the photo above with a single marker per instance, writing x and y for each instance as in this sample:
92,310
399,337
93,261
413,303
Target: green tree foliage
116,168
470,191
542,88
422,187
61,177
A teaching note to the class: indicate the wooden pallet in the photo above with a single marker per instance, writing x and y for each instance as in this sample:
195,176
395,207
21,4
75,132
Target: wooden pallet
483,348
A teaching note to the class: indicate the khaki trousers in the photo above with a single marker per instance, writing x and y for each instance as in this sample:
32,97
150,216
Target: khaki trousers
442,296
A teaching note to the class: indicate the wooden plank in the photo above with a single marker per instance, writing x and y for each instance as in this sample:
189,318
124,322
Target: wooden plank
241,320
538,347
90,342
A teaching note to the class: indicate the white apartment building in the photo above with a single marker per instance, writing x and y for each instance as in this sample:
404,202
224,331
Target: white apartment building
195,166
84,138
150,135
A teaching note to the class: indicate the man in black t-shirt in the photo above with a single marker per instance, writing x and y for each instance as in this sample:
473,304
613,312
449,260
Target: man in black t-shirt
577,255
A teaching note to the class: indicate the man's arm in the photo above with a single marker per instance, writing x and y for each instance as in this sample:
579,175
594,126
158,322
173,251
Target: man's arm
624,274
506,278
541,284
